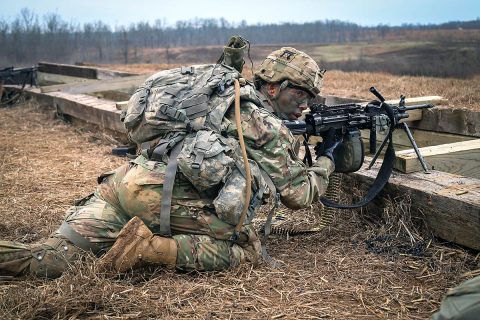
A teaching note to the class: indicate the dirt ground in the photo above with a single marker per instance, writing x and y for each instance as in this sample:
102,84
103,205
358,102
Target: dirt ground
365,265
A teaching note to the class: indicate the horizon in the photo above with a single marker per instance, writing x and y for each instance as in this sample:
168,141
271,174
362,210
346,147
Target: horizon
305,11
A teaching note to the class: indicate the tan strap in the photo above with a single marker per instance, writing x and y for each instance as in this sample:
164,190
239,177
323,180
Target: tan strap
248,174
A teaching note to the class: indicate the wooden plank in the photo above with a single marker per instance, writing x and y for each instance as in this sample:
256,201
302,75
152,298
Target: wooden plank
47,79
44,79
446,119
113,95
79,71
449,204
332,100
89,109
99,112
420,100
423,138
131,82
460,158
68,70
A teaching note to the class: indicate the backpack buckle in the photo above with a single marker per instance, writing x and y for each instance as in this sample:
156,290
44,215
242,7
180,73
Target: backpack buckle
186,70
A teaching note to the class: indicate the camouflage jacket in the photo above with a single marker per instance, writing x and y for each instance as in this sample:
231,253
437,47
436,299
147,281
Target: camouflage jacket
273,147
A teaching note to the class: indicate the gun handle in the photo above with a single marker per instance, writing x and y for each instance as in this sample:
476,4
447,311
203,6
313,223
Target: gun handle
373,140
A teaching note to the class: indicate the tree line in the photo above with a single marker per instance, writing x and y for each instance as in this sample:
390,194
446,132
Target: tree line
28,39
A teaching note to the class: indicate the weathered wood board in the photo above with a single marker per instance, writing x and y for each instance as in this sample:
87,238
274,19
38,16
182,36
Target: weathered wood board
449,203
88,86
459,157
47,79
99,112
423,138
445,119
80,71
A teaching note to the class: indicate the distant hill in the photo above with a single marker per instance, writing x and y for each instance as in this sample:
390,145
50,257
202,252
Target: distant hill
28,39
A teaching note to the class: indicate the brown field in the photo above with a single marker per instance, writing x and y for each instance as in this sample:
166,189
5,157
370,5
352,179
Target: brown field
461,93
363,266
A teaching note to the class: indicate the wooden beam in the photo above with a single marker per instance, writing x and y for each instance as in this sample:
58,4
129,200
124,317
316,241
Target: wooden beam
423,138
47,79
421,100
99,112
131,82
85,72
449,204
89,109
460,158
68,70
113,95
447,119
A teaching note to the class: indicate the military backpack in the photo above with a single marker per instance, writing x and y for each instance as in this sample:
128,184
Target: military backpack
176,117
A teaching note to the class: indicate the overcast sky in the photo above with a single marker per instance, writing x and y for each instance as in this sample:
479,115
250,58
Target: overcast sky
364,12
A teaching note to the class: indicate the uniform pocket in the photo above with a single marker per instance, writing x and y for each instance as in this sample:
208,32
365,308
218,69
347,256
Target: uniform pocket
206,159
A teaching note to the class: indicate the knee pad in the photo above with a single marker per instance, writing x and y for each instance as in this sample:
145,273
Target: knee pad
52,258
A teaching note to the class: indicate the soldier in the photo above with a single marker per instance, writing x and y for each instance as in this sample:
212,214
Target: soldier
461,302
123,212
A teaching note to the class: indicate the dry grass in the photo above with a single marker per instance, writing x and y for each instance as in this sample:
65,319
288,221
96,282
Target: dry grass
355,269
461,93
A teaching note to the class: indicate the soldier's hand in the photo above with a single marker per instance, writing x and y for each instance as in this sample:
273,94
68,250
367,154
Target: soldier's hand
330,141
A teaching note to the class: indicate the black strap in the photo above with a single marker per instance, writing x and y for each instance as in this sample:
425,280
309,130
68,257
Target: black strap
307,159
167,192
383,174
380,181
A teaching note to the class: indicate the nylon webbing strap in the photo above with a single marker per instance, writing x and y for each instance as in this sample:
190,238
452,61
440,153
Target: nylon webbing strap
77,239
380,181
383,174
166,204
267,227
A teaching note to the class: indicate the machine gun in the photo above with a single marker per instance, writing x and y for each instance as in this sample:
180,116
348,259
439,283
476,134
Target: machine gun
347,120
17,76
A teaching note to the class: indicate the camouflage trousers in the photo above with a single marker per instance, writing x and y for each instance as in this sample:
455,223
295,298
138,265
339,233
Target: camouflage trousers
132,190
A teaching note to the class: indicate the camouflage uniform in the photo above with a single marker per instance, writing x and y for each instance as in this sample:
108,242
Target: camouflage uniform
461,302
135,189
201,226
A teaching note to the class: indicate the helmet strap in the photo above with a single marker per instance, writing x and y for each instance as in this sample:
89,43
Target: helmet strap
282,87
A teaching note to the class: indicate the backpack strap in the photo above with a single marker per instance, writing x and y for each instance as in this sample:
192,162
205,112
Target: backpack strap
267,227
166,203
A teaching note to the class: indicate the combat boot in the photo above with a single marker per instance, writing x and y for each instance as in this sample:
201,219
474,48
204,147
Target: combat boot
135,246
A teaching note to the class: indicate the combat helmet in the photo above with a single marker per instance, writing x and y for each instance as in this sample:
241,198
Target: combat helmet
295,66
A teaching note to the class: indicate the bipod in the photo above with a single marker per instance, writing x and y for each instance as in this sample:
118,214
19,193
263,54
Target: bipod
405,127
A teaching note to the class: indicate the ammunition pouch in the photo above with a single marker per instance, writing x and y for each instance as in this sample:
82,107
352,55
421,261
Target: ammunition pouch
349,154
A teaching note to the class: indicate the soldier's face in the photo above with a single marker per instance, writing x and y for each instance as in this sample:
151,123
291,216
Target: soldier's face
291,102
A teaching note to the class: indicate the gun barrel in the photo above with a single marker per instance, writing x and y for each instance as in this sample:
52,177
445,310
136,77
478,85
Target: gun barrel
419,106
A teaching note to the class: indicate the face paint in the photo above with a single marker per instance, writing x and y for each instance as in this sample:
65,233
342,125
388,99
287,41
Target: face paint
290,103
